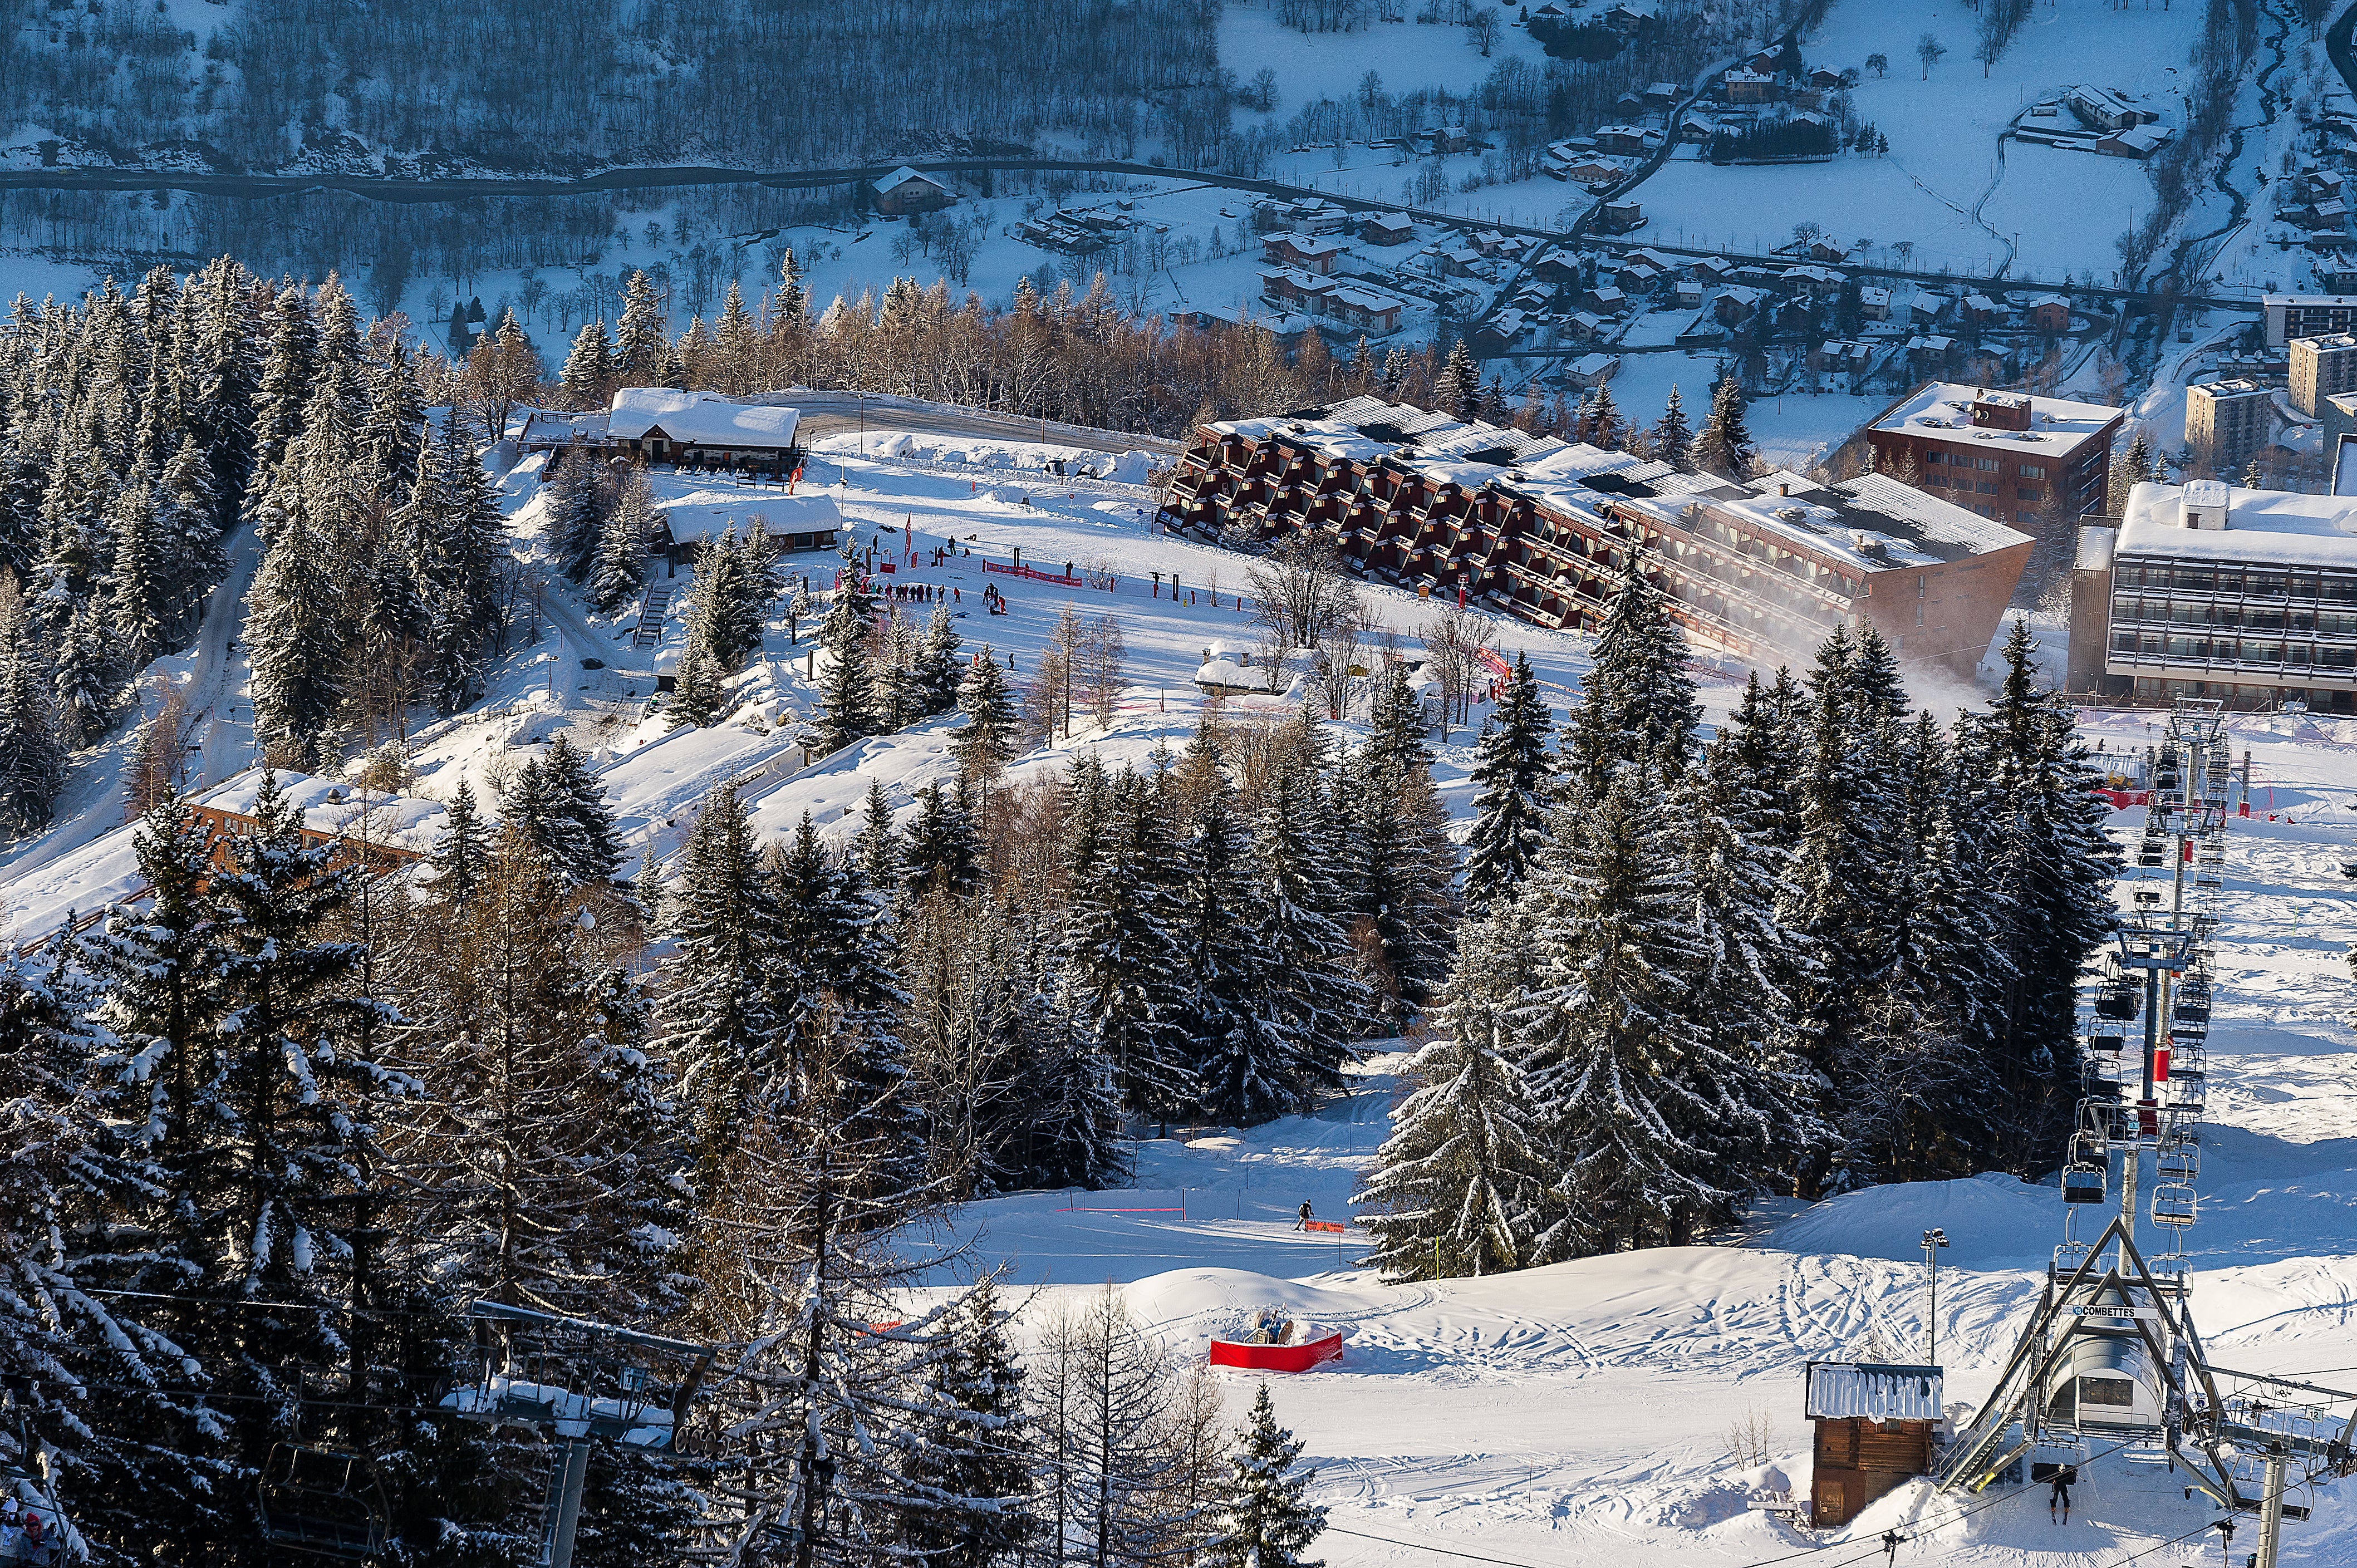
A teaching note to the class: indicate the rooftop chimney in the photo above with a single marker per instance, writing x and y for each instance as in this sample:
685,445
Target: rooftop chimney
2205,504
1785,488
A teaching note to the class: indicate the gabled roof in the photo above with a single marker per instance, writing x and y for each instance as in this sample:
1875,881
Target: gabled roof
902,175
699,418
1842,1390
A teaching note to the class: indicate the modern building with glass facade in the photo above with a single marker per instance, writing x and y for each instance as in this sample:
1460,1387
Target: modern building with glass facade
2248,595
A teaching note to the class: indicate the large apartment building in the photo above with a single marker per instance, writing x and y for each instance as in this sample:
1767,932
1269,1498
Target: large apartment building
2010,456
2290,316
1551,531
2228,422
2321,367
2217,591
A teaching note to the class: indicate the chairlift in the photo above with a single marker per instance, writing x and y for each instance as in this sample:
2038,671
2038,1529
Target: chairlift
2109,1044
2152,852
2172,1206
325,1502
2176,1167
2116,1001
2147,897
2083,1184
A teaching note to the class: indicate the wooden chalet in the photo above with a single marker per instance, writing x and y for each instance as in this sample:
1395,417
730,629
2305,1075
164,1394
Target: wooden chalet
1873,1426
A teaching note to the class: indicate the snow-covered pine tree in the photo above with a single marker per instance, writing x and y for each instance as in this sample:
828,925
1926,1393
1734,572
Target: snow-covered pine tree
576,509
1638,705
701,696
1724,447
1283,1043
988,739
138,606
1269,1520
899,700
715,1023
1607,1039
619,574
588,373
1119,988
240,1000
2047,868
296,627
1214,903
1672,437
641,350
282,397
942,854
224,371
967,1502
1461,1184
1757,1109
32,758
392,431
1513,779
456,860
1404,872
588,850
845,694
1459,382
460,537
938,668
877,855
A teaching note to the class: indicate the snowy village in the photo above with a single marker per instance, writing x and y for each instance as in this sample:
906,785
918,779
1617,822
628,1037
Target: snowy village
1181,784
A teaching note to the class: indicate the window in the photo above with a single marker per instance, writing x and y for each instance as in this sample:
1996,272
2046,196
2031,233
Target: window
1935,456
2027,519
1919,585
1918,614
1988,465
2118,1393
1984,488
2030,471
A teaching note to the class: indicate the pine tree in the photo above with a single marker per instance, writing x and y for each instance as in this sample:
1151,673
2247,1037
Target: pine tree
1514,780
942,854
282,398
1120,990
460,851
576,509
987,741
2132,470
877,852
845,696
641,350
1672,439
618,573
967,1489
1607,1040
557,804
588,374
1269,1520
1639,702
1724,447
1460,1185
1404,866
1459,384
32,760
716,1022
937,672
701,697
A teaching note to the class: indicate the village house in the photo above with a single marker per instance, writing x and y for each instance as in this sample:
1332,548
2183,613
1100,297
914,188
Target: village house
1686,293
1620,216
1631,139
1874,304
1461,262
1980,310
1293,286
2047,313
1712,271
2135,141
1842,356
1735,305
1661,96
904,191
1302,250
1498,334
1367,310
1824,79
1604,299
2100,109
1825,250
1558,267
1925,309
1750,87
1582,326
1387,229
1592,370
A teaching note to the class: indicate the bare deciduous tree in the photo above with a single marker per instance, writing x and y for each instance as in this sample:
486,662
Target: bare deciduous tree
1301,590
1455,642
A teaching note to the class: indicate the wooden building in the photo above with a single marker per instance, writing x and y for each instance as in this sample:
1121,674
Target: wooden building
656,424
1873,1426
905,192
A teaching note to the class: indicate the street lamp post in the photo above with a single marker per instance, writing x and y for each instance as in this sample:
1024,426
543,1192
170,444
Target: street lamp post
1933,1240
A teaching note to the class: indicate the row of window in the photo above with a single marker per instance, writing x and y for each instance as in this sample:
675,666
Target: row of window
1935,458
2233,651
2270,617
2252,582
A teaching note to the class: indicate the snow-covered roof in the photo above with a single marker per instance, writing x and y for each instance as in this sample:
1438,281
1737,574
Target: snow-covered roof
2095,548
811,511
2263,528
700,418
1943,410
552,426
331,806
2344,456
902,175
1841,1390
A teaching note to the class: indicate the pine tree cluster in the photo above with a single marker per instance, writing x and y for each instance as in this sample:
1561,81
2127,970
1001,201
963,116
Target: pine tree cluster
1836,946
271,1133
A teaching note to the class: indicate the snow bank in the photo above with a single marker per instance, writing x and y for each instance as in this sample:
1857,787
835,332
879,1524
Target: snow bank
1990,1218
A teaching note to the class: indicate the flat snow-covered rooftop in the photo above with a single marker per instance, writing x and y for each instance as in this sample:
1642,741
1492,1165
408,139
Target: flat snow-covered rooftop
2274,528
1942,411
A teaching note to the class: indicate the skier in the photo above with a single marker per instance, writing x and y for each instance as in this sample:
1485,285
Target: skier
1303,1223
2061,1495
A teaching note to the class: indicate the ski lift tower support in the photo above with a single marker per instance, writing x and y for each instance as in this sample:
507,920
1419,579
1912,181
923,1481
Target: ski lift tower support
576,1382
2159,952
